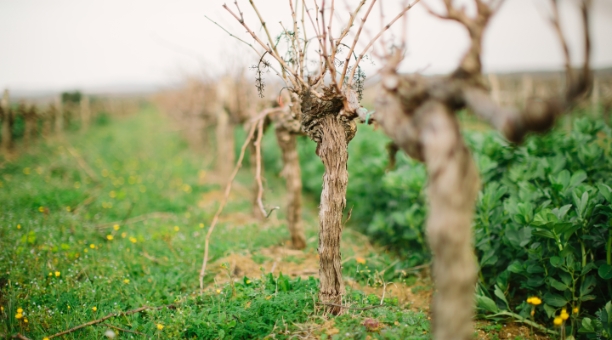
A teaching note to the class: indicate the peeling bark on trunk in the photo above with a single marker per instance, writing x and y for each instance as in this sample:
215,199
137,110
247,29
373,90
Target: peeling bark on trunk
452,191
225,143
293,182
325,121
333,151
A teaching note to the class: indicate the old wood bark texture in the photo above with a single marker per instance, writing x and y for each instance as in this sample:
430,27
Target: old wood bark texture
293,182
287,128
429,132
324,122
6,115
452,191
333,151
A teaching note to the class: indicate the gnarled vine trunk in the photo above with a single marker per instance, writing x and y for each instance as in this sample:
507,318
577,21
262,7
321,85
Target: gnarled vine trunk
293,182
427,130
7,123
326,123
452,191
333,151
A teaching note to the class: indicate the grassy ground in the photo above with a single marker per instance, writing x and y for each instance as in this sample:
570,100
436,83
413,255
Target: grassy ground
114,220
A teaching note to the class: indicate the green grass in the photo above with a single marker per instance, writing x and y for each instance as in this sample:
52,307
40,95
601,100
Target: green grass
64,262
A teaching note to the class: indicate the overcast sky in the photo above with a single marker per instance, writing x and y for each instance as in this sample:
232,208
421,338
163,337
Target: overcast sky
68,44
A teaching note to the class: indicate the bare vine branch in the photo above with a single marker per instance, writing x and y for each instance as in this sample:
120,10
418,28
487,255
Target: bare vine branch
371,43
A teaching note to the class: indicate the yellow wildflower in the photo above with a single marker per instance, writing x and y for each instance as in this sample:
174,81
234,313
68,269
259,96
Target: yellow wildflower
534,300
564,314
94,308
68,209
126,281
160,326
123,234
558,321
20,310
50,274
575,310
248,281
92,246
133,239
19,226
25,320
109,237
218,291
201,225
45,338
360,260
18,316
57,274
41,209
116,227
176,228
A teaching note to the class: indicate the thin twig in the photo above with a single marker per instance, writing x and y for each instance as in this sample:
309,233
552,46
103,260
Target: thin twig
123,330
228,188
20,337
352,48
242,41
233,36
111,315
265,27
260,132
554,20
295,80
365,50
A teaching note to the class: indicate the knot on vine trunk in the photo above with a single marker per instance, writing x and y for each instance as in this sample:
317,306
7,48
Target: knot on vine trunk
340,106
